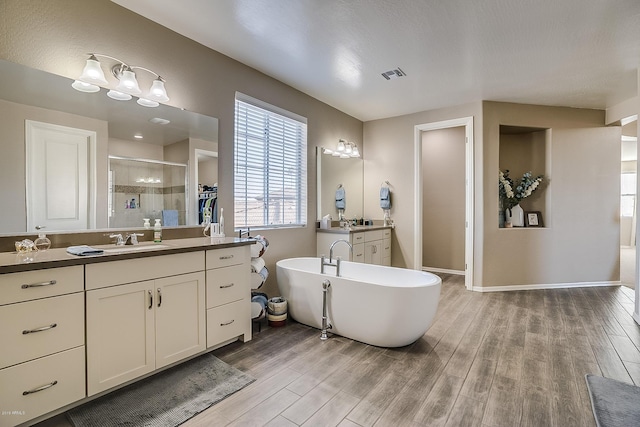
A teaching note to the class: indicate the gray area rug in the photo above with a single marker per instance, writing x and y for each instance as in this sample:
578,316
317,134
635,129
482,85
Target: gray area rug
166,399
614,403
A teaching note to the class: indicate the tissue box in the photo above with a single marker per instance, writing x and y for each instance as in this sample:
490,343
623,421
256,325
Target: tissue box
325,223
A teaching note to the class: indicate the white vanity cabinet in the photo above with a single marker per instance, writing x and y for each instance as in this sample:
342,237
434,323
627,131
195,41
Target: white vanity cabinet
228,295
42,362
369,246
135,328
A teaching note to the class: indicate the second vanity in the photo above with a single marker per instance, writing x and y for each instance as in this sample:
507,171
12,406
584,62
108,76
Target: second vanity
74,328
371,244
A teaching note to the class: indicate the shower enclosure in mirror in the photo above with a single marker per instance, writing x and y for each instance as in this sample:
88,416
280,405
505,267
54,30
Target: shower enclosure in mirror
146,189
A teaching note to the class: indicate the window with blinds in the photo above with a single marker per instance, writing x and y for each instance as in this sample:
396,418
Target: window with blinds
270,170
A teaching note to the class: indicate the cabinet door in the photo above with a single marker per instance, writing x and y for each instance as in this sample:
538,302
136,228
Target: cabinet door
180,317
120,334
373,252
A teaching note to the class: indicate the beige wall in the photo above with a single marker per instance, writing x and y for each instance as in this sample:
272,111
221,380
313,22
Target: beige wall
55,36
443,198
12,160
581,240
135,150
390,156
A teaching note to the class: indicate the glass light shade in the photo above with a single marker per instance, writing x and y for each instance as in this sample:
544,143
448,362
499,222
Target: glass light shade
355,152
118,96
147,103
92,72
128,83
348,148
336,154
85,87
327,151
157,92
344,156
341,146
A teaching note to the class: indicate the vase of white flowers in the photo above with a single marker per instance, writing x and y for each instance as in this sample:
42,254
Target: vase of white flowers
512,192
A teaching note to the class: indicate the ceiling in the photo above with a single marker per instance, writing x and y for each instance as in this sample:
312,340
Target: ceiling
576,53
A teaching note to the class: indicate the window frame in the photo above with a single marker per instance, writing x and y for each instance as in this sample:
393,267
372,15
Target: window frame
292,156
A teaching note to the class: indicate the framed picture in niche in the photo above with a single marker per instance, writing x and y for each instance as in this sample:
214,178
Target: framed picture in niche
533,219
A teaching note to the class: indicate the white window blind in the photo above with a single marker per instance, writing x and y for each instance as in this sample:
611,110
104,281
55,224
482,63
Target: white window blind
627,194
270,170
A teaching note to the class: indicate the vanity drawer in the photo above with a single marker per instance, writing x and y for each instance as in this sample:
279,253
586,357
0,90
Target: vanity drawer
370,236
229,256
112,273
227,321
358,253
386,248
357,238
386,233
29,285
228,284
33,329
64,372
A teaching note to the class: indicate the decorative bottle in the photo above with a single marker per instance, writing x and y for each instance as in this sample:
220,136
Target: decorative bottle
42,243
157,232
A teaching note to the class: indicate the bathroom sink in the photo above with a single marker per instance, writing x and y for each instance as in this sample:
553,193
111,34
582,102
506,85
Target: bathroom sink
133,248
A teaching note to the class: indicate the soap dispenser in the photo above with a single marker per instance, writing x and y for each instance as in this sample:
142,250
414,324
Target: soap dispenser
157,232
42,243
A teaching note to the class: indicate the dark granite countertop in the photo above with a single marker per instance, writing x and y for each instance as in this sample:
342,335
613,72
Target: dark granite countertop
353,229
12,262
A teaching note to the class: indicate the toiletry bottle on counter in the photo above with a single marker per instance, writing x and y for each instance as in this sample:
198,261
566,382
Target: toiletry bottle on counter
157,232
42,243
222,221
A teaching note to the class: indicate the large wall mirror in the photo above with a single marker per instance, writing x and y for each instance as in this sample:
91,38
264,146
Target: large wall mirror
57,146
334,172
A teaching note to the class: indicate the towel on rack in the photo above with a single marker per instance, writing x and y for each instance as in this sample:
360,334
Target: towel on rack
84,250
385,198
257,264
340,198
170,218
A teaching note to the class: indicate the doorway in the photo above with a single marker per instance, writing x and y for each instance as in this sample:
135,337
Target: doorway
467,124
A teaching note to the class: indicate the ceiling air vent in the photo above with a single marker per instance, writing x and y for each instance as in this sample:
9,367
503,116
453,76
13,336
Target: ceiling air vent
394,74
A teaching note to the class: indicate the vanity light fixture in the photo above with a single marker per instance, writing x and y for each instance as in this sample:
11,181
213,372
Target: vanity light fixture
345,149
93,77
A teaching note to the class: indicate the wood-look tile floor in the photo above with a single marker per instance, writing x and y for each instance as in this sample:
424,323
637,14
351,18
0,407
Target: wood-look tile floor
489,359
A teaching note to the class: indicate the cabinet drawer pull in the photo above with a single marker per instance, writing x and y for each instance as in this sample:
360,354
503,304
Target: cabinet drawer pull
228,323
37,285
226,257
358,254
226,286
159,297
44,387
150,299
43,328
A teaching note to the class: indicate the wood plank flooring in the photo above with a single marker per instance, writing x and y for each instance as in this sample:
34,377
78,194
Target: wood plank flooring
489,359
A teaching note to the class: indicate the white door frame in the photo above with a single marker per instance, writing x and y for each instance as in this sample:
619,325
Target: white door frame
467,122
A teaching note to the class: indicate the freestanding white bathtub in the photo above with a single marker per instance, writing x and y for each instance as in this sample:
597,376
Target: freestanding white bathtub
381,306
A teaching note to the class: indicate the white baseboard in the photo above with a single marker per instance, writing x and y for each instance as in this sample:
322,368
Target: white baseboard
636,317
543,286
442,270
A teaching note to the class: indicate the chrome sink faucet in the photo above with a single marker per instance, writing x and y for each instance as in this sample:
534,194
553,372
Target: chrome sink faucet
128,239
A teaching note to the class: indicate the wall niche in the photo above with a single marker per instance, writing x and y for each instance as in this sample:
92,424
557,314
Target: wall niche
525,149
